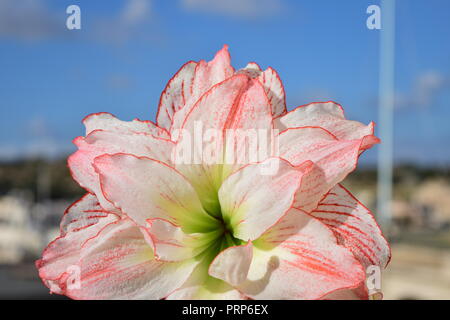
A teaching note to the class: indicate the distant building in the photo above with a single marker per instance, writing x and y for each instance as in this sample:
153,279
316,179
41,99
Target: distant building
17,239
435,195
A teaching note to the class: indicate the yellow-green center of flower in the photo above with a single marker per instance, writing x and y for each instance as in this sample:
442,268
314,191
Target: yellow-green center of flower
221,235
213,234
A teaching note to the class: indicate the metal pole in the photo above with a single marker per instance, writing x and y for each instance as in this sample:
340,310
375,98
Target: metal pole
386,109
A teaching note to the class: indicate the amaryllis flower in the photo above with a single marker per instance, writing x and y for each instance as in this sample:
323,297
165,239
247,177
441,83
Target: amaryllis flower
167,215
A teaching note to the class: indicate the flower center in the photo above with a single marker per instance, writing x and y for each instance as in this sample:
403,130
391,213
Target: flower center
225,238
219,236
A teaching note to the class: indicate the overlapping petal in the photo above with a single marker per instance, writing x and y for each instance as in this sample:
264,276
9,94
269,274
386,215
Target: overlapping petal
201,286
252,199
252,69
232,264
238,103
299,259
333,160
206,75
144,188
176,94
100,142
355,226
272,85
330,116
81,221
108,122
171,243
119,264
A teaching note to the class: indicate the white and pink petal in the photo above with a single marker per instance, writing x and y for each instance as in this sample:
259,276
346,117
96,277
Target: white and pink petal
81,221
100,142
176,94
206,75
330,116
272,84
201,286
108,122
144,188
299,259
252,69
275,91
354,226
119,264
253,199
333,160
170,243
238,105
232,264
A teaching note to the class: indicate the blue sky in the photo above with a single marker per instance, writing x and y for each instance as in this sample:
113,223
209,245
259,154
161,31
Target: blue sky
121,59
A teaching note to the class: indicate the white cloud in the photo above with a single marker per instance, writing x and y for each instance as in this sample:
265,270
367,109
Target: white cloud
424,90
126,24
427,86
135,11
33,20
29,20
235,8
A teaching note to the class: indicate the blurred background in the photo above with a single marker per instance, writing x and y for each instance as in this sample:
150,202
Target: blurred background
126,51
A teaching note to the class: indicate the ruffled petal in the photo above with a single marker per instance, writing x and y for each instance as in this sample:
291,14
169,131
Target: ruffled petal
252,69
170,243
330,116
248,130
354,226
252,200
81,221
272,86
299,259
201,286
144,188
100,142
206,75
211,112
238,103
106,121
275,91
333,160
232,264
119,264
176,94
